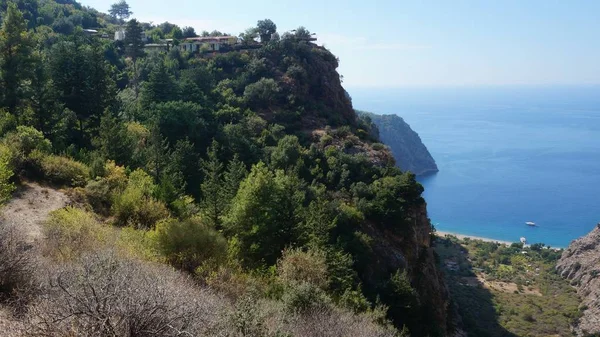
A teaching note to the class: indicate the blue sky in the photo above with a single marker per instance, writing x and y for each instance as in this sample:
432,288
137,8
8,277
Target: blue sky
387,43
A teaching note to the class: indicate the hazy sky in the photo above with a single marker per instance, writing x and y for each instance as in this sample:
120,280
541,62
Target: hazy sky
395,43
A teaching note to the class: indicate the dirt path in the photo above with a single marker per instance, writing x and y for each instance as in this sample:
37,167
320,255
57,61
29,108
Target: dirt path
29,208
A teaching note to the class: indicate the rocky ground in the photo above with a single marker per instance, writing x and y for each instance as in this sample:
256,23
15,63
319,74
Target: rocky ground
580,263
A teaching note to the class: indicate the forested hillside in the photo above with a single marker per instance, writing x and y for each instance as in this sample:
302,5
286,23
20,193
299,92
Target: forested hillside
245,169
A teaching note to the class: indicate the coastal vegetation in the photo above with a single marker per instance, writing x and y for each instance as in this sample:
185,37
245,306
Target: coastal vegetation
508,290
234,192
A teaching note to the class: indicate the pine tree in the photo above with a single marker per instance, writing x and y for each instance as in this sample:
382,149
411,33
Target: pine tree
160,87
83,80
213,194
157,153
45,106
16,46
120,10
134,47
235,174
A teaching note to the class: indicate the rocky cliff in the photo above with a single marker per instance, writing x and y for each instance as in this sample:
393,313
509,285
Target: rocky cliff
406,145
580,263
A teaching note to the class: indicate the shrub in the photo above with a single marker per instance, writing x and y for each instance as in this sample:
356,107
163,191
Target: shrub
337,323
378,146
303,297
104,295
136,206
8,122
297,266
101,192
22,143
64,171
26,139
71,231
189,244
16,263
6,186
262,93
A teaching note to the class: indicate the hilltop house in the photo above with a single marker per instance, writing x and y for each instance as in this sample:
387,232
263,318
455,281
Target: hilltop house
120,35
207,43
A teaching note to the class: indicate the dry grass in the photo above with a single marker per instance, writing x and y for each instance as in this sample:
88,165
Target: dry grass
106,295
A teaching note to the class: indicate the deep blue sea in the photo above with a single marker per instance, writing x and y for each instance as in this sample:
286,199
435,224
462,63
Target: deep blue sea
507,155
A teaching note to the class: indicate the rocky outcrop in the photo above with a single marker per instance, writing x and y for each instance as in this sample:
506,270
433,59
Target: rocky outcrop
412,251
406,145
580,263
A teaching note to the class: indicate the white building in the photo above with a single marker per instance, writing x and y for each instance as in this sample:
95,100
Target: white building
208,43
120,35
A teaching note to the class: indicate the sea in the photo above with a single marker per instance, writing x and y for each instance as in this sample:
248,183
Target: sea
507,156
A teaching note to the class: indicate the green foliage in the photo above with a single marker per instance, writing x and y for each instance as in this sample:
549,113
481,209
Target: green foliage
524,295
189,244
77,98
136,206
6,173
214,201
16,46
64,171
72,232
304,297
101,192
120,10
27,139
262,94
266,28
264,214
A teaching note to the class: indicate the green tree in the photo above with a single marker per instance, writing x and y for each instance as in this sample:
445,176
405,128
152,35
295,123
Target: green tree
113,141
264,215
46,108
262,93
160,87
287,153
120,10
266,28
189,32
134,47
213,194
233,177
83,80
16,47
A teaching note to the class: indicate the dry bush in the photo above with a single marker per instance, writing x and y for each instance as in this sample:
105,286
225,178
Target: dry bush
297,266
16,266
255,317
104,295
335,323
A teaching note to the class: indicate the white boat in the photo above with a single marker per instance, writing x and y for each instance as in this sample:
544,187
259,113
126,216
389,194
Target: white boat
530,223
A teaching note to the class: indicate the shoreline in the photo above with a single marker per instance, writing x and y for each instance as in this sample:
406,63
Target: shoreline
473,237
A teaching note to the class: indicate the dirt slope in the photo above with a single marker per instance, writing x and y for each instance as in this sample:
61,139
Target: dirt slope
30,207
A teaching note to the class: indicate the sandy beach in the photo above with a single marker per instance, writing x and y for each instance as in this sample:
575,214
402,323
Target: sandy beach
472,237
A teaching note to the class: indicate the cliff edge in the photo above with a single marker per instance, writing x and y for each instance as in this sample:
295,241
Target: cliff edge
580,263
406,145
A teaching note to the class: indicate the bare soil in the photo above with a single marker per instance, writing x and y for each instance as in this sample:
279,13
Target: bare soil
30,207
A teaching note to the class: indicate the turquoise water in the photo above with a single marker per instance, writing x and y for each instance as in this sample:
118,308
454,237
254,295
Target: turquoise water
506,156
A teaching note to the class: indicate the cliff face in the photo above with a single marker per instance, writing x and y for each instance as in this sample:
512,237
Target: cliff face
406,145
412,251
580,263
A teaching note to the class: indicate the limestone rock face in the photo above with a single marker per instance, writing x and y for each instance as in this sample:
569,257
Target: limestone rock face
580,263
406,145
